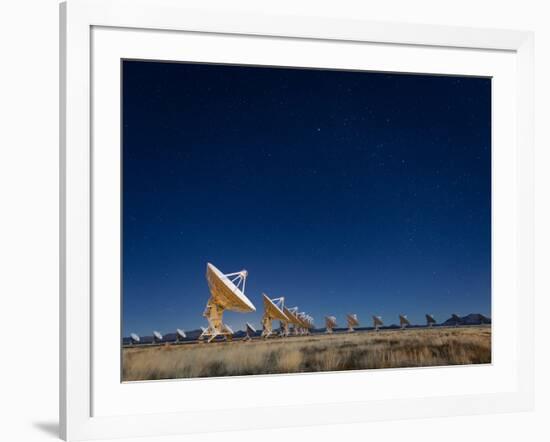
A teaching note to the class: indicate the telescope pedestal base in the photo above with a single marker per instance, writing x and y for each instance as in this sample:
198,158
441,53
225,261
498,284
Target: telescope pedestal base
214,314
212,334
267,324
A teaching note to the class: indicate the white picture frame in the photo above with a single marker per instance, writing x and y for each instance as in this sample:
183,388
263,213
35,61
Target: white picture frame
92,404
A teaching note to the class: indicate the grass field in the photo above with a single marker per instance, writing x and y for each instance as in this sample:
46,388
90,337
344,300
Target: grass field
361,350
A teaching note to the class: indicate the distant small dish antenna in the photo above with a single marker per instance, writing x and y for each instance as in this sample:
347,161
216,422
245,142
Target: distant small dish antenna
273,310
157,337
456,319
250,331
403,321
353,321
430,320
226,293
330,324
134,338
377,322
306,323
180,335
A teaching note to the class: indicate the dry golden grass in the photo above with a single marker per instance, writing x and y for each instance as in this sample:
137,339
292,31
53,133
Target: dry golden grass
361,350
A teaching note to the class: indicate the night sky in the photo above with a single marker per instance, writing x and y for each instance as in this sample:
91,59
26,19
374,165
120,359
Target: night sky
345,192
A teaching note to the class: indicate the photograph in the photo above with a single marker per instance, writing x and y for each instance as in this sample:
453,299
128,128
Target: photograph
282,220
279,220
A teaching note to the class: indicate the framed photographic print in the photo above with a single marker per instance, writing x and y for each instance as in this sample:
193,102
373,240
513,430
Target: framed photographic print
262,204
324,183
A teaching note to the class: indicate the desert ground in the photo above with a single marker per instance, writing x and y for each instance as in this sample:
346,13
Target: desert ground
417,347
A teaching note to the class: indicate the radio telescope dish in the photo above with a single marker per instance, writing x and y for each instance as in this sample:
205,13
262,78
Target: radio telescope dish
430,320
353,321
301,325
284,328
273,310
377,322
330,323
134,338
291,314
228,290
456,319
300,321
157,337
304,323
250,331
403,321
307,322
180,335
226,293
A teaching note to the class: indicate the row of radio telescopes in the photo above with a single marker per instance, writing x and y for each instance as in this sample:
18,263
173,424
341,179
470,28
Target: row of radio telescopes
227,293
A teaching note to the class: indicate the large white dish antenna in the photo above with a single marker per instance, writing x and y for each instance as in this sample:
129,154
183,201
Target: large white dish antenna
377,322
306,322
285,328
330,323
134,338
353,321
226,293
403,321
302,318
291,315
273,310
180,334
300,321
157,337
430,320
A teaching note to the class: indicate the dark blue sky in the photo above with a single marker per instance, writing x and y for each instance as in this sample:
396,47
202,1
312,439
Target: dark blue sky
342,191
